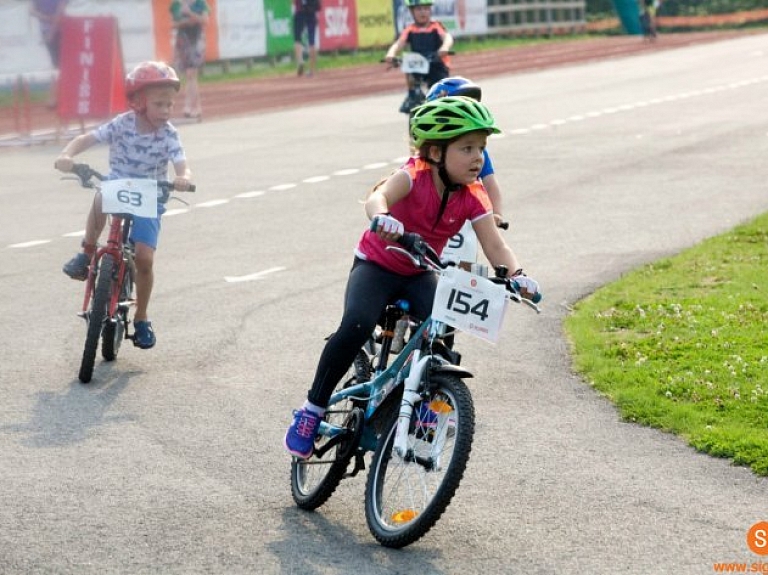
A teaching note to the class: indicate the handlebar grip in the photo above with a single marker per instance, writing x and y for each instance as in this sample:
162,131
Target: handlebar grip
169,187
407,240
536,297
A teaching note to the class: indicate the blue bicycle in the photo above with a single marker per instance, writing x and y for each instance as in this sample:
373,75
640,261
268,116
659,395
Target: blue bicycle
416,415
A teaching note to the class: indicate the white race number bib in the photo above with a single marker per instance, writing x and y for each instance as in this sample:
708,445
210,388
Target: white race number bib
137,197
470,303
414,63
462,247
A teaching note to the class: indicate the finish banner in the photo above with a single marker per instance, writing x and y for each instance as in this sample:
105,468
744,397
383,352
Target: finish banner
92,72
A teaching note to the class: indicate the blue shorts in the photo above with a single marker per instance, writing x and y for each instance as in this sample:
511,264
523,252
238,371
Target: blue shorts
147,230
305,19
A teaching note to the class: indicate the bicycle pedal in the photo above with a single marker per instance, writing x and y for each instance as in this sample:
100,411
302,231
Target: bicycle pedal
359,466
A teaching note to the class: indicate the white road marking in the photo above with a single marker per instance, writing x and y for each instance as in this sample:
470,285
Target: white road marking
30,244
211,204
175,212
250,194
252,277
401,160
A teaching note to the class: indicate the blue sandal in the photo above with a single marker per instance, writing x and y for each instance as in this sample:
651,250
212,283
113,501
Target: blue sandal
143,335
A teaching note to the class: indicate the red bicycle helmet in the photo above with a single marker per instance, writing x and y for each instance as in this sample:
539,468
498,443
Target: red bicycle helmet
150,74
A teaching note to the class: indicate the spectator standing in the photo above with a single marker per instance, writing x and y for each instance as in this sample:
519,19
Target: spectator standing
648,18
50,13
189,20
305,18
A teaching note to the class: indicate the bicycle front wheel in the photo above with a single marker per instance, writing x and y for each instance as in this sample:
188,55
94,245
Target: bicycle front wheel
114,327
97,315
314,480
406,494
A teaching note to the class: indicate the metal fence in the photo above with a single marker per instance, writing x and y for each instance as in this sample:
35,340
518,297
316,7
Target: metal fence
536,17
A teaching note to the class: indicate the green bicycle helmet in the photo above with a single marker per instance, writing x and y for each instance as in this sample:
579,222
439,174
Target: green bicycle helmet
448,118
414,3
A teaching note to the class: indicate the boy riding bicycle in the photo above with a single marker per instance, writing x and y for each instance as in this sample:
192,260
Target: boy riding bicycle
142,143
426,37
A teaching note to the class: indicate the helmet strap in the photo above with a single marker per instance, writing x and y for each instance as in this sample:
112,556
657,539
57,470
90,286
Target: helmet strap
450,186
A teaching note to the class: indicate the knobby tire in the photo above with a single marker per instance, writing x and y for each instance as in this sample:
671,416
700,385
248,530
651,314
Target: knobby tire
97,315
114,328
314,480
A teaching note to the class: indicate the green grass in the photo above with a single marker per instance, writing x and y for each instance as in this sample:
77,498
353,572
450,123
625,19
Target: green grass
681,345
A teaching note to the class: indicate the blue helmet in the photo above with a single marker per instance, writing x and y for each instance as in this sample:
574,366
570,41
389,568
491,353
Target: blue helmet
454,86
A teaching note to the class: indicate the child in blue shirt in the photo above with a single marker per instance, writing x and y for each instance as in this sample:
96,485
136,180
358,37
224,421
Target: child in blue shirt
142,143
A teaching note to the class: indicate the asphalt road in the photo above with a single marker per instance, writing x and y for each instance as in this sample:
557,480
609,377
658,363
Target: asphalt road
171,460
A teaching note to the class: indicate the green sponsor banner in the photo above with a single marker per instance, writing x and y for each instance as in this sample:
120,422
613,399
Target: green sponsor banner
279,27
375,23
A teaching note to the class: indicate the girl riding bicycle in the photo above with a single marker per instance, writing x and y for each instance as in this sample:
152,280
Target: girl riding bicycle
432,195
142,143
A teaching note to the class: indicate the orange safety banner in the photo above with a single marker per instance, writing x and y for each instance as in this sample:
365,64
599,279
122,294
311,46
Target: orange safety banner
91,71
163,25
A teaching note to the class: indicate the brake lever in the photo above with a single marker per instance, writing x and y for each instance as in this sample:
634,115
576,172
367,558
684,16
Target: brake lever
178,199
78,178
530,304
416,260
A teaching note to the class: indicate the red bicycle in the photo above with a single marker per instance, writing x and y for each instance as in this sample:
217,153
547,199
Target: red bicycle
109,287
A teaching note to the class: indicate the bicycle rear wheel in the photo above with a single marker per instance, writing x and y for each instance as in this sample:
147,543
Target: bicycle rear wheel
314,480
114,327
97,315
406,495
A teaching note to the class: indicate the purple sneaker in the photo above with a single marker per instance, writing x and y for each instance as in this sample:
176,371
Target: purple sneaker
300,437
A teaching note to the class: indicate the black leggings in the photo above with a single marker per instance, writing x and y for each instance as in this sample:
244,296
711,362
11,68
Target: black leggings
369,289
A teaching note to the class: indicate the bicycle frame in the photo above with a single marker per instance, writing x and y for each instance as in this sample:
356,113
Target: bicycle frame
114,248
408,366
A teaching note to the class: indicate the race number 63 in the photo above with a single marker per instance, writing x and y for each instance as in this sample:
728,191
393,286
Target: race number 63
129,196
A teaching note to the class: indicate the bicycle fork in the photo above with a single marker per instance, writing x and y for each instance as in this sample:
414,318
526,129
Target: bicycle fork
410,396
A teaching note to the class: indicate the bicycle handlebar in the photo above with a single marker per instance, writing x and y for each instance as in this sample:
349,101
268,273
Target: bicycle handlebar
425,257
431,57
86,174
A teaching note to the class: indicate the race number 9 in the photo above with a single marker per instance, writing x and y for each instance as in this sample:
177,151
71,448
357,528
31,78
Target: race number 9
455,242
